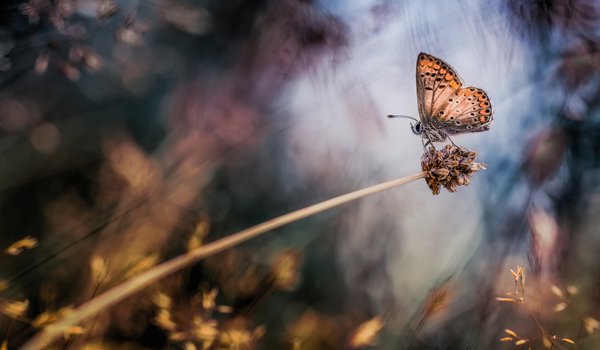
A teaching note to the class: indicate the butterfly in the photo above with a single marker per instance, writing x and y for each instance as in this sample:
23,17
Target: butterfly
445,107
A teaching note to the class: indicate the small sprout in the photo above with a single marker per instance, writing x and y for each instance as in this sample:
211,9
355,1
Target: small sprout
17,247
557,291
14,309
560,307
511,333
366,333
590,324
521,342
567,340
506,300
519,275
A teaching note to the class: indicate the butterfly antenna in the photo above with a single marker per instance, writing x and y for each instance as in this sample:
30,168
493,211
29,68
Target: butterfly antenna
401,116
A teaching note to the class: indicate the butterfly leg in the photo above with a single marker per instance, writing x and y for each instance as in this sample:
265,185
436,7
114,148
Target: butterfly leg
426,144
428,141
452,141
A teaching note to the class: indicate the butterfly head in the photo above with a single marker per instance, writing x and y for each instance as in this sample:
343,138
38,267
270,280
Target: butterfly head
417,128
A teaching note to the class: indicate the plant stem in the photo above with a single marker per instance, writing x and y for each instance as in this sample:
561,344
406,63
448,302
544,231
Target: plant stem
136,283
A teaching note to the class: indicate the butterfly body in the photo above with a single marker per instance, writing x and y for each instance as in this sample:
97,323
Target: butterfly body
445,107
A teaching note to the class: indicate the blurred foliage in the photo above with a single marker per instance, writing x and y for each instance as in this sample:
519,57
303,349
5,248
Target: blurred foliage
133,131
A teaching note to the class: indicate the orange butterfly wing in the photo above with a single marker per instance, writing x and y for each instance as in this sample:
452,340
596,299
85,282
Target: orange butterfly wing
444,104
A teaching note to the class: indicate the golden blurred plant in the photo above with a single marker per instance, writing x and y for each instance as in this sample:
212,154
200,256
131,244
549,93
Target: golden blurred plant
15,309
314,331
366,333
451,167
285,269
19,246
193,322
546,338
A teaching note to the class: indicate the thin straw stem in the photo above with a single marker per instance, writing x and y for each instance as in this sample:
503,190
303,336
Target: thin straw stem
138,282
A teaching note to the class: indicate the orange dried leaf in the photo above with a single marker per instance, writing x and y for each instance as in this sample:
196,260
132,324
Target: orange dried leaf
506,339
567,340
511,332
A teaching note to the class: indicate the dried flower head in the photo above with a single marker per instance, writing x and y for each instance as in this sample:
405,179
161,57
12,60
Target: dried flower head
450,167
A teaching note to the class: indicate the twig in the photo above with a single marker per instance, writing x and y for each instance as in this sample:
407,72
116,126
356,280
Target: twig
136,283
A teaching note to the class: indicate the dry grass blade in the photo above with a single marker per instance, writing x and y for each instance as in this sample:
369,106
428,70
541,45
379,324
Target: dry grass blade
136,283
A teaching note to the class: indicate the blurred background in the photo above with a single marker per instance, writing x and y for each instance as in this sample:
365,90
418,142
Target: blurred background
133,131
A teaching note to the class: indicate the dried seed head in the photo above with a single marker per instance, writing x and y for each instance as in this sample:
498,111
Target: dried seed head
450,167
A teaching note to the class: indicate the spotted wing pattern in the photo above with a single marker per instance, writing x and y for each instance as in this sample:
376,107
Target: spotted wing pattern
444,105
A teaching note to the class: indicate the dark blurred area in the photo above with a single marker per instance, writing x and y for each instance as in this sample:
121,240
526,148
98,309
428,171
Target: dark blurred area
133,131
